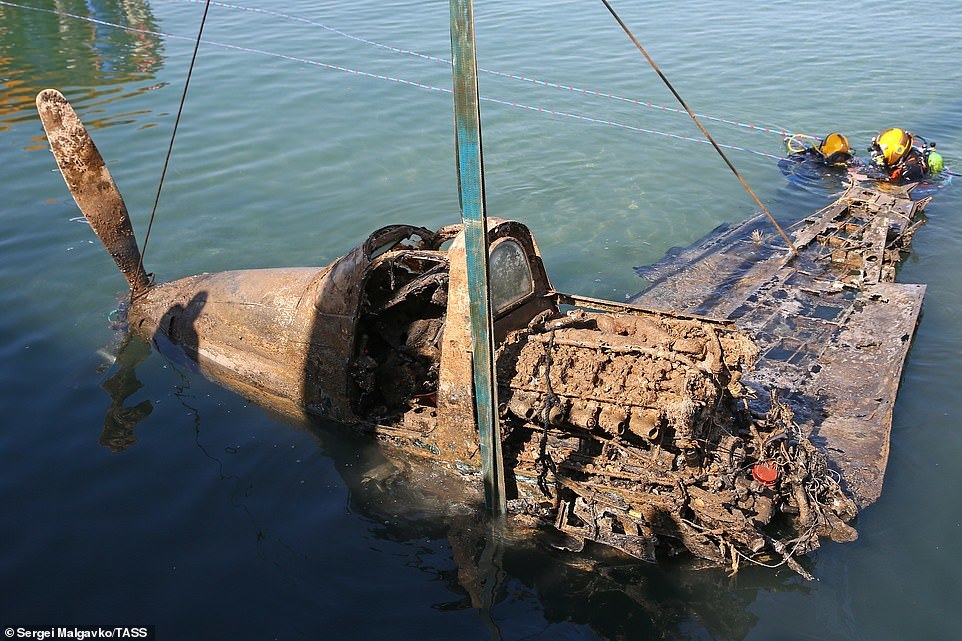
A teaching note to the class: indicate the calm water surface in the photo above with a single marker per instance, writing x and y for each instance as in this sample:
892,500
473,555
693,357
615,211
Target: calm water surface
184,506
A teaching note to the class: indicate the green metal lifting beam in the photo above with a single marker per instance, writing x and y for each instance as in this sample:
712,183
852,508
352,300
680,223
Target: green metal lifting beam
467,122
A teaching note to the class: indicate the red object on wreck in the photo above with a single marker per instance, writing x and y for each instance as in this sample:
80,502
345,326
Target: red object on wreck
765,475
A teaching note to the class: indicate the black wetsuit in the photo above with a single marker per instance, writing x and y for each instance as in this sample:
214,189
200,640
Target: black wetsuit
812,154
911,168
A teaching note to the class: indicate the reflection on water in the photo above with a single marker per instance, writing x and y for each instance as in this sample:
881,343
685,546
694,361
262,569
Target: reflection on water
120,420
40,49
509,571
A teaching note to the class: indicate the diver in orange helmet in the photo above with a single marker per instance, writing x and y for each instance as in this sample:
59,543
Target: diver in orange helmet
904,157
832,151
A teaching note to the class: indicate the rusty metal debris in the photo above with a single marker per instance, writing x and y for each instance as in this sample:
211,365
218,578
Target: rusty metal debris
632,428
832,327
723,418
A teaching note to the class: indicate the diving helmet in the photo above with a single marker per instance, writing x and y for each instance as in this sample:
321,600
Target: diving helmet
893,144
834,148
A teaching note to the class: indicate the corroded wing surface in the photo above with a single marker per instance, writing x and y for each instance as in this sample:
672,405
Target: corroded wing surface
91,184
832,325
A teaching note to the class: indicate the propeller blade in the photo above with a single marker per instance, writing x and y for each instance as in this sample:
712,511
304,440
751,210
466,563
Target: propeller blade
91,185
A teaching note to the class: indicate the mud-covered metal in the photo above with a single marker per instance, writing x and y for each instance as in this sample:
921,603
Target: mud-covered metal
741,416
91,184
623,425
833,327
283,334
467,127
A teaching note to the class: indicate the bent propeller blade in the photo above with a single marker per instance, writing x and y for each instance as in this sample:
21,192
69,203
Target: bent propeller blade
91,184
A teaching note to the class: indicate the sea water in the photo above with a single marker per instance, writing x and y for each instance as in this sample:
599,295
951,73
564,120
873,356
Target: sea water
307,125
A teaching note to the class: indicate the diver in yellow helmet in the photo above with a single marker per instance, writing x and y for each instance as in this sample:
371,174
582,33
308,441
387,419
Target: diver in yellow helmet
811,159
835,149
831,151
903,156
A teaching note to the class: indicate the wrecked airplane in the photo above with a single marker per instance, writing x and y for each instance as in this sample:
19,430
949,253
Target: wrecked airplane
650,431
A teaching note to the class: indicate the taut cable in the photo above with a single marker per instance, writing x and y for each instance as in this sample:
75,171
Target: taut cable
721,153
173,135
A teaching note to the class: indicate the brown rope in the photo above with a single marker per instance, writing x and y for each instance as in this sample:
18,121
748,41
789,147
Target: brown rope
681,101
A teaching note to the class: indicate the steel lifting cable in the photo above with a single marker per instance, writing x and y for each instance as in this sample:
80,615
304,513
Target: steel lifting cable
494,72
173,135
947,172
681,101
402,81
398,50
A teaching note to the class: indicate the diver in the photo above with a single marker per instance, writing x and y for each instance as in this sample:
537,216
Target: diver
904,157
811,161
832,151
